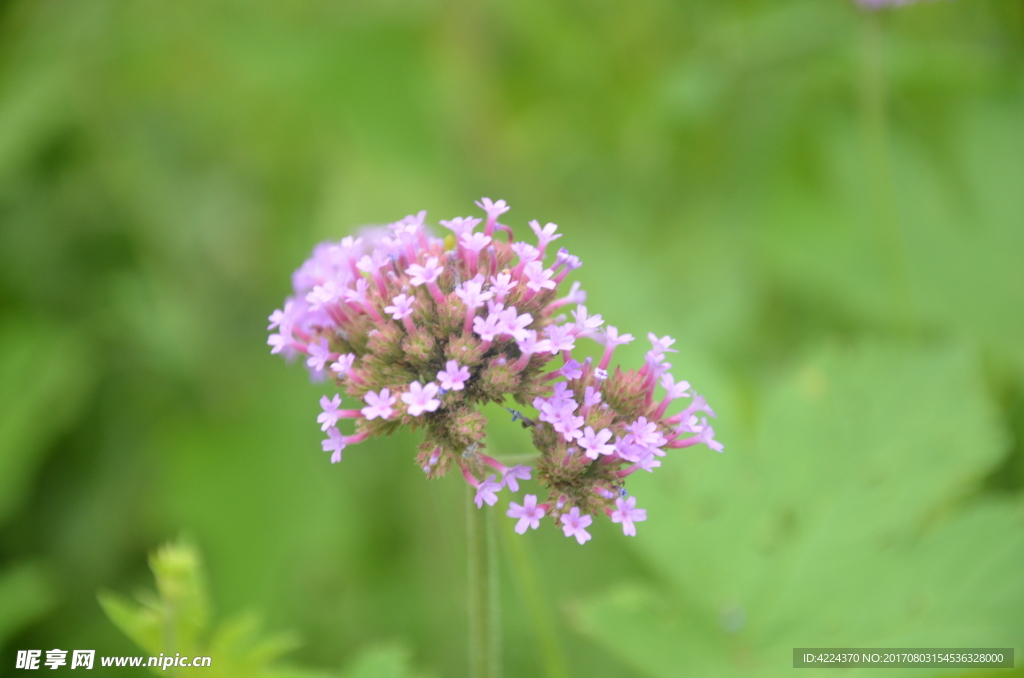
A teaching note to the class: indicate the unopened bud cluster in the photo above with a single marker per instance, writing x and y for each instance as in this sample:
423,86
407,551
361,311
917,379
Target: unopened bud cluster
422,331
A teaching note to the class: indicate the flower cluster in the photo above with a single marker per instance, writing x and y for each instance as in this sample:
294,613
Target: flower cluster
878,4
423,330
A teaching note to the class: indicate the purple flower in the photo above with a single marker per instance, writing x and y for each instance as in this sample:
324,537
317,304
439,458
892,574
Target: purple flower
660,346
544,235
527,252
596,443
707,436
571,370
319,354
280,341
569,261
539,278
612,338
422,275
335,443
487,328
401,306
646,433
529,344
329,417
371,263
493,209
512,476
280,318
529,514
461,225
627,449
878,4
675,389
574,525
627,514
561,337
502,284
485,492
568,424
648,461
421,399
586,323
453,377
343,364
348,293
474,241
472,295
379,405
357,294
324,295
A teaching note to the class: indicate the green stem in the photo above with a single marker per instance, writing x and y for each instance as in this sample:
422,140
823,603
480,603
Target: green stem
484,605
543,627
883,189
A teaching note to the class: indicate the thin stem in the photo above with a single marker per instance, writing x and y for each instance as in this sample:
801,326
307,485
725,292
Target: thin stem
540,619
484,610
885,208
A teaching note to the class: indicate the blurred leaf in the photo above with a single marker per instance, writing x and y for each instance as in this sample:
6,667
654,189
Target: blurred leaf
45,377
384,661
850,524
952,239
177,621
25,595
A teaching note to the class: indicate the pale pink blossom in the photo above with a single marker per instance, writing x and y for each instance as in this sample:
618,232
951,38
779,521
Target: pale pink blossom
454,376
421,399
627,513
529,514
574,525
379,405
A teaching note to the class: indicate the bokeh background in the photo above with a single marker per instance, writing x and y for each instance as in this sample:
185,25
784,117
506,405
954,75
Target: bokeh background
824,205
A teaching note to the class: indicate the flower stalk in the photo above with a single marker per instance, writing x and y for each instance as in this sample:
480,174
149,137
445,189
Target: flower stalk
484,600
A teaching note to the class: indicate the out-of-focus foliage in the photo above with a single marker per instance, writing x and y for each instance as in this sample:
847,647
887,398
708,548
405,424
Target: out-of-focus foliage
823,205
875,541
176,621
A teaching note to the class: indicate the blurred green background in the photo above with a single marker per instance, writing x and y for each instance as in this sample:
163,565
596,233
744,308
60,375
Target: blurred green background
825,206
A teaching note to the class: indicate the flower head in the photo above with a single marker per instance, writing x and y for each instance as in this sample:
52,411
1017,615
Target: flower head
486,334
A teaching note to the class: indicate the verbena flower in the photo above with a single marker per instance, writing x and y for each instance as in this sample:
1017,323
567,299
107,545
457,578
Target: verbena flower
876,4
421,331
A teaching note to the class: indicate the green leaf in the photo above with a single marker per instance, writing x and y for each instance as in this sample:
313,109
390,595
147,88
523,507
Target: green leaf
853,521
177,620
141,624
